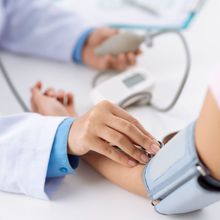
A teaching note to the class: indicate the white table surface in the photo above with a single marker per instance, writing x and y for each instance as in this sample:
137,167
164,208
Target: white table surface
87,195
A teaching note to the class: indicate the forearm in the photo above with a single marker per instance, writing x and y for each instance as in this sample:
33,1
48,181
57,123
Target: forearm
208,135
127,178
41,28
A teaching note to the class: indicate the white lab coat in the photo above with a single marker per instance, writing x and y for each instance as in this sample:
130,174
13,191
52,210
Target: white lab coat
41,28
25,145
44,28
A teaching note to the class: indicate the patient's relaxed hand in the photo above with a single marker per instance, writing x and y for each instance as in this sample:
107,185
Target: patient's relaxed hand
107,125
51,102
121,62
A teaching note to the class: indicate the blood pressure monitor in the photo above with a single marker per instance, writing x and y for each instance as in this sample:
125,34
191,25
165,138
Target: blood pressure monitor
128,88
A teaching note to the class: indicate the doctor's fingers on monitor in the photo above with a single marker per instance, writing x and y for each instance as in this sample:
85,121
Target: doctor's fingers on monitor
121,149
107,130
125,132
128,137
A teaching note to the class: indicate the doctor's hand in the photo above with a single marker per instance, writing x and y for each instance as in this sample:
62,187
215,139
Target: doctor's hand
107,126
108,62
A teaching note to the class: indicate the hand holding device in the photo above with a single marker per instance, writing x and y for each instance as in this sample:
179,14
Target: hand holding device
105,61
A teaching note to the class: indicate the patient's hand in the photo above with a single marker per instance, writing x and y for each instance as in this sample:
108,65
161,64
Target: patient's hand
51,102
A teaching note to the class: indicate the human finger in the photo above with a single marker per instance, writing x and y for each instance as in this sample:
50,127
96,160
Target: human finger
137,137
61,96
50,92
131,58
114,154
120,140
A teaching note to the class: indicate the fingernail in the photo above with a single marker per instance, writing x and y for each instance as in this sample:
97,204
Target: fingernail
144,158
132,163
155,148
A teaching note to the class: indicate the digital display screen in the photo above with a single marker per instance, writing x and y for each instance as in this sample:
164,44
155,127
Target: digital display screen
133,80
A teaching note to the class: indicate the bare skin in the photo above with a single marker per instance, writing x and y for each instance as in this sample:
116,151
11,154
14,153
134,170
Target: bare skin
120,62
207,137
51,102
100,129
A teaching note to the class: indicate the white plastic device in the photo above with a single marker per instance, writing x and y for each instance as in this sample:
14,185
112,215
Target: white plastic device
128,88
120,43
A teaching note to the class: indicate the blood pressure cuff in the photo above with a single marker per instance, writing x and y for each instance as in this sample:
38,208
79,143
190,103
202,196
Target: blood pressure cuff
176,180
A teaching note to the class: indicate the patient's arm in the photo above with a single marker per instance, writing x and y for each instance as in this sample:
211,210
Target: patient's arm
208,146
208,135
128,178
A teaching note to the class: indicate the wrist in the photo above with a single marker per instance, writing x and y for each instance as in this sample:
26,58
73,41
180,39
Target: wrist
70,141
84,55
80,46
72,148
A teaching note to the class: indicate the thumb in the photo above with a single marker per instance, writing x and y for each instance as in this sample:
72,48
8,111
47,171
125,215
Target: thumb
36,90
108,32
103,34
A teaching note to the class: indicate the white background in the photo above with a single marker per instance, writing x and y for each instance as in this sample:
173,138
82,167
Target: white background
87,195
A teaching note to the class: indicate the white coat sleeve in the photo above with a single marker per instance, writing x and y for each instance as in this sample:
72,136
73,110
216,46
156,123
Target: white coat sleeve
25,145
44,28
